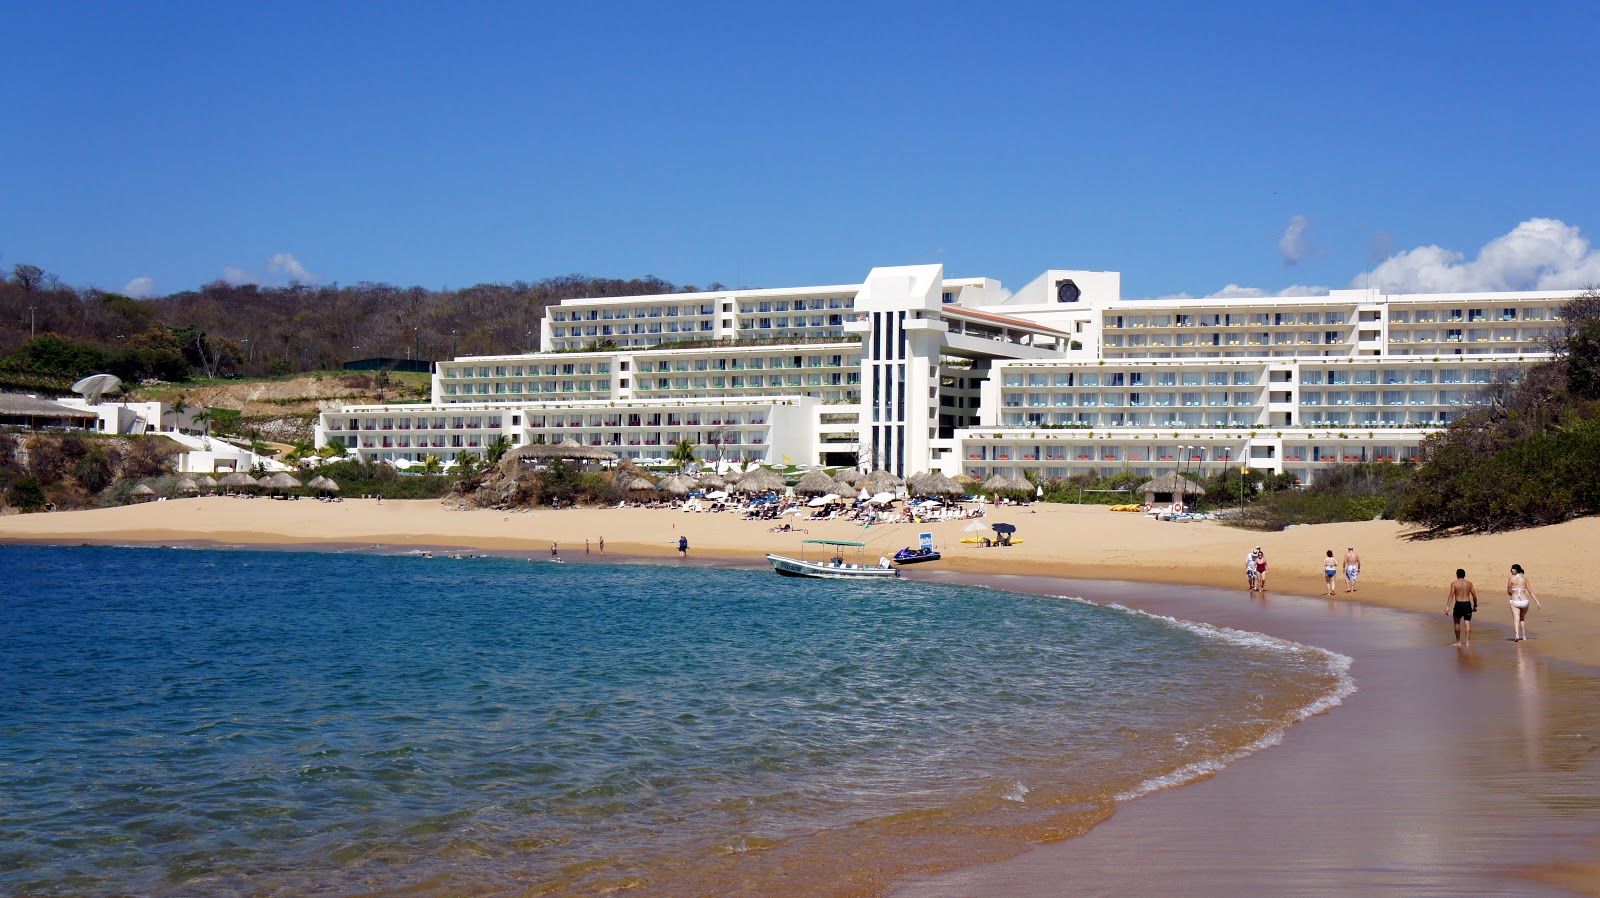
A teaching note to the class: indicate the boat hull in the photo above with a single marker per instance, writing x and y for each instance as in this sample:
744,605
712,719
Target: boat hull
917,559
795,567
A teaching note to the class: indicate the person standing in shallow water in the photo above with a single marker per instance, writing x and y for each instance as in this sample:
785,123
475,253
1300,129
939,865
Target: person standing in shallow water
1330,569
1521,593
1459,604
683,547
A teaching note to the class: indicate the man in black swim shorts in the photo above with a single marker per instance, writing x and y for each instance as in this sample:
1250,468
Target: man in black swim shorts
1462,601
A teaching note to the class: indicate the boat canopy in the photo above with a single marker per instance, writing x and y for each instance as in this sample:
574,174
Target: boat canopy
834,542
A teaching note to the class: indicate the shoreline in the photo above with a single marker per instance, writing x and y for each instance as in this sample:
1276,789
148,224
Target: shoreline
1065,541
1368,773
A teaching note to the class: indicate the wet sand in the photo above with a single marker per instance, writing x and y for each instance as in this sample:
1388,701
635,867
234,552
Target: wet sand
1448,772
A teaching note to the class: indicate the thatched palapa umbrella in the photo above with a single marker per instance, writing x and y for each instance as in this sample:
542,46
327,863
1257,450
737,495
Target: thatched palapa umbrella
638,485
758,480
186,485
996,484
238,480
1172,486
1020,485
849,477
676,484
323,485
143,493
280,481
207,482
966,480
710,481
881,481
816,483
933,484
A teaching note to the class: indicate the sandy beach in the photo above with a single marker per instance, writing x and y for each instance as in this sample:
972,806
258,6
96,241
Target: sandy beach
1082,542
1448,772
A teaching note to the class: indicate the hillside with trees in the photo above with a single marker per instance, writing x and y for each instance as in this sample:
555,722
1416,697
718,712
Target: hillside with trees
50,332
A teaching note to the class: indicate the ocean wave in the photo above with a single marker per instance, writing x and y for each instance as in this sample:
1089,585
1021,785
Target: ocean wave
1335,665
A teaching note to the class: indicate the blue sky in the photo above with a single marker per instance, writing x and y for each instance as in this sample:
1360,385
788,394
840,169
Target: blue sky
156,147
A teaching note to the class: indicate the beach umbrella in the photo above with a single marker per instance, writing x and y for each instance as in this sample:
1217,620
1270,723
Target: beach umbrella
975,527
143,493
323,484
1019,485
238,480
815,483
1005,528
934,484
759,480
186,485
206,481
711,481
966,480
717,494
818,502
280,481
676,484
881,480
638,485
848,477
883,498
997,484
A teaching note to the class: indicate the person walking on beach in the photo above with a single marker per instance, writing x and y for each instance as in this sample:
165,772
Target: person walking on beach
1459,604
683,547
586,545
1261,571
1250,572
602,545
1521,593
1352,568
554,551
1330,569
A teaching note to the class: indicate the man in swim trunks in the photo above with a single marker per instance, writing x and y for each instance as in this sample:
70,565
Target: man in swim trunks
1460,603
1352,568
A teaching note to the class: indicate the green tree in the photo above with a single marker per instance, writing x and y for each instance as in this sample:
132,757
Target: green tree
1583,360
26,494
95,470
682,454
497,449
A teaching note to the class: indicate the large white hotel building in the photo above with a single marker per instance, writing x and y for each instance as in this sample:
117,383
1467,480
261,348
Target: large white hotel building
912,371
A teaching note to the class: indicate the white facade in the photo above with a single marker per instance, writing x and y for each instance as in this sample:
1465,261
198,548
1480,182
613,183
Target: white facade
912,371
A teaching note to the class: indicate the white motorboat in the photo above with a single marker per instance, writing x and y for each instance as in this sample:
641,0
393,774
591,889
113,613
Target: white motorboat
832,568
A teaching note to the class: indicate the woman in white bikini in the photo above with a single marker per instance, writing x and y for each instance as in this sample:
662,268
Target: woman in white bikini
1520,592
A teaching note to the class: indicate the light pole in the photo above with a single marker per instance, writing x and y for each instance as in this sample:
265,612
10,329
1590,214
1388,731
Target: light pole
455,344
30,321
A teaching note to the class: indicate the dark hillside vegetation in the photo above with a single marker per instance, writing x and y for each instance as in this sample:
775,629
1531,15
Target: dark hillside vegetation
59,333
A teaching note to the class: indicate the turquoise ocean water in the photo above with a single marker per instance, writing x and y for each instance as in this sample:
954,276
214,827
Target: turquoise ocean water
193,722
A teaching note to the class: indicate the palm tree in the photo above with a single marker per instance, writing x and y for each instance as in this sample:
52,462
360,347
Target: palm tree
203,417
177,410
432,465
682,454
468,463
497,449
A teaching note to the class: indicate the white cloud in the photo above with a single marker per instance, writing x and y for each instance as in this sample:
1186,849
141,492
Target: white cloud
1294,245
281,269
140,287
1234,291
1538,254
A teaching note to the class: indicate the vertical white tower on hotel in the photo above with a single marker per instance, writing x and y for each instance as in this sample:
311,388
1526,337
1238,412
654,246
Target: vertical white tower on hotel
898,317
